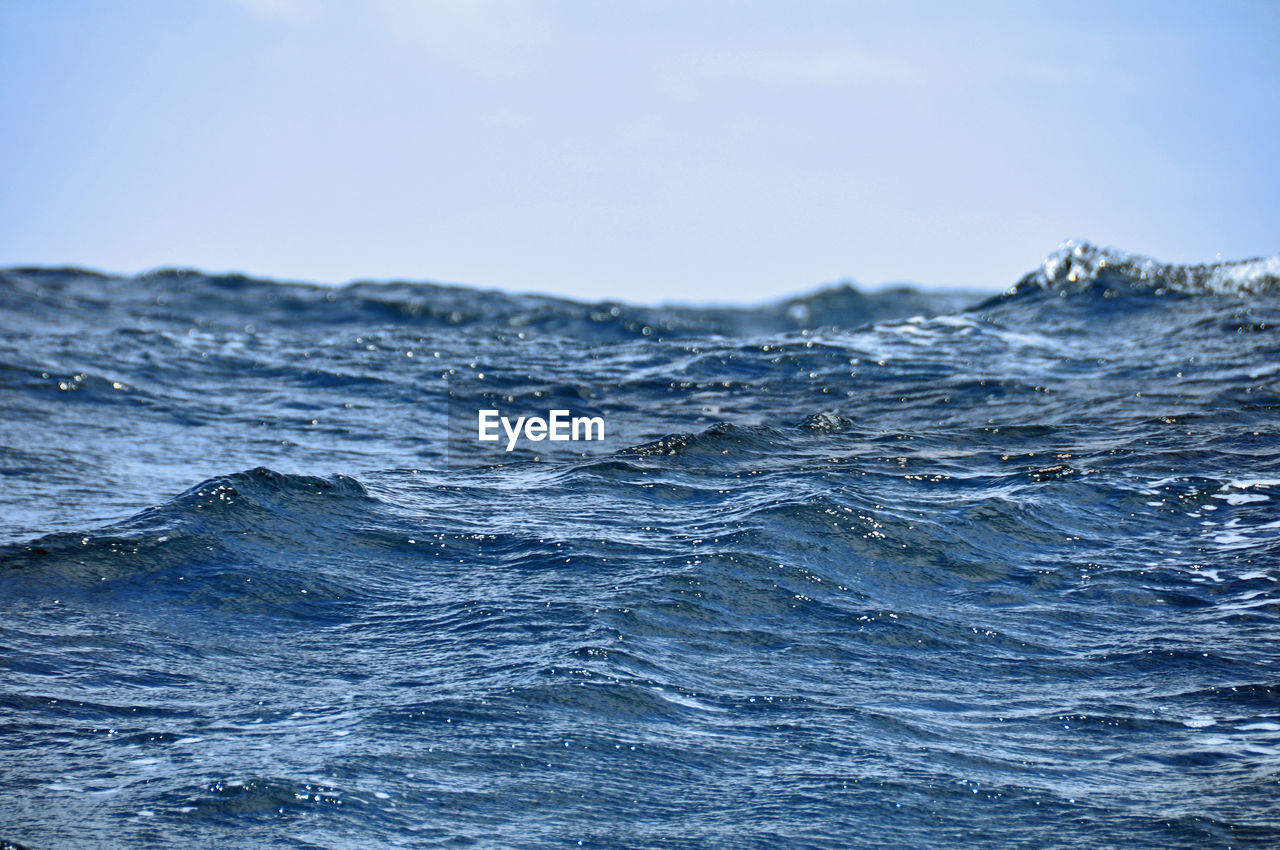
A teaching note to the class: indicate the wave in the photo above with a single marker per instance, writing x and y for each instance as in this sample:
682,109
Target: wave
181,296
185,296
1079,267
224,529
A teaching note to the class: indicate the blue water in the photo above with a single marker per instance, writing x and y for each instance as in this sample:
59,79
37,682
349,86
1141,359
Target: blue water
898,569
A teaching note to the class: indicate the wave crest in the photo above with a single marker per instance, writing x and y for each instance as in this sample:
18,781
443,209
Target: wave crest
1083,266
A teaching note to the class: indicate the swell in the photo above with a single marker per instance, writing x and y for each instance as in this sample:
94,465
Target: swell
1017,573
185,297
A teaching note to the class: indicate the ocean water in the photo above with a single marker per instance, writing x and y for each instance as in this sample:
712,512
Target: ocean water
900,569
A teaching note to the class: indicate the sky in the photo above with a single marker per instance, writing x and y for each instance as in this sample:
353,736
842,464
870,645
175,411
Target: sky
646,151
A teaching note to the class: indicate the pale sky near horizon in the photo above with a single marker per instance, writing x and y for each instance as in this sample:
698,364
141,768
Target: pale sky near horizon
644,151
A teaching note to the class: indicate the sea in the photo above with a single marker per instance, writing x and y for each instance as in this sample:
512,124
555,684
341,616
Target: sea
896,568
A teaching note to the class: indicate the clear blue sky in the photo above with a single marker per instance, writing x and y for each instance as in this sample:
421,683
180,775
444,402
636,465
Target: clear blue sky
646,151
